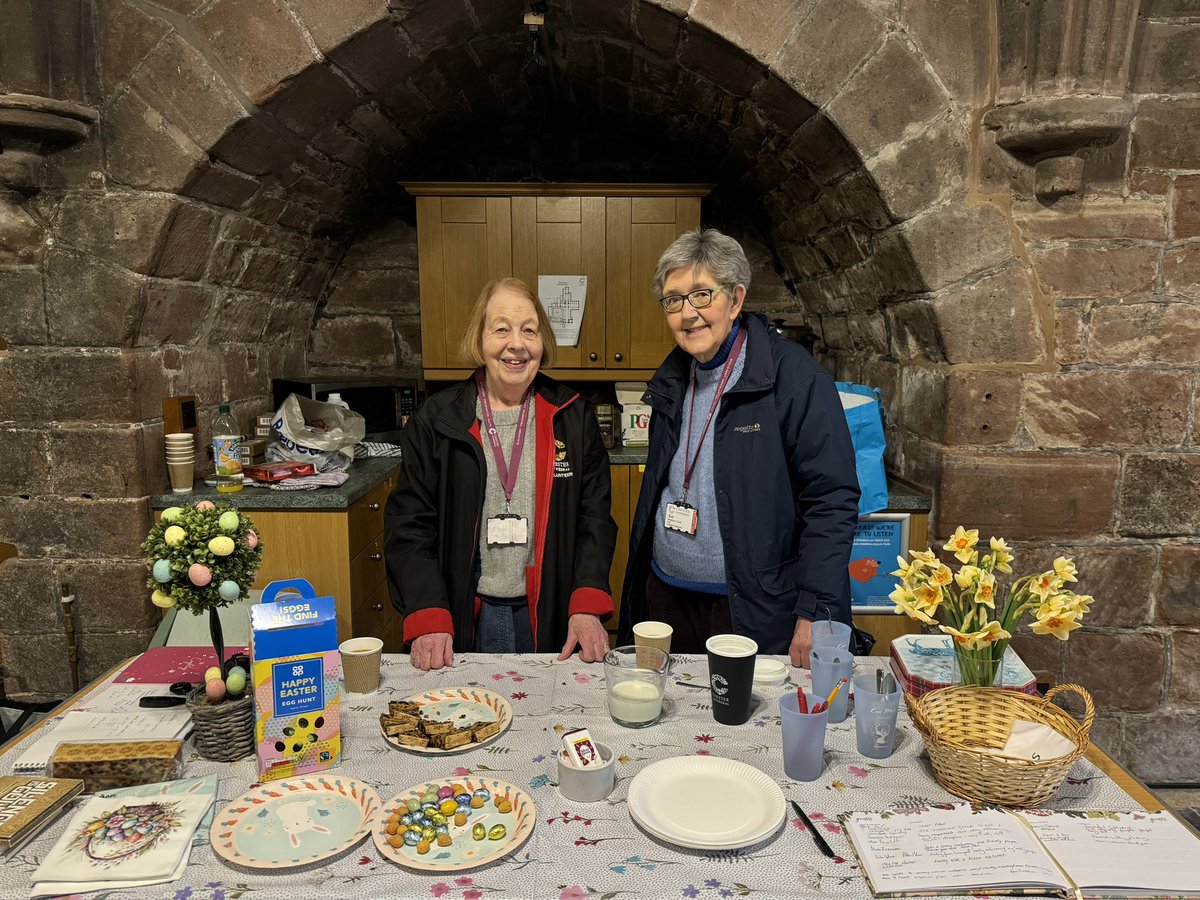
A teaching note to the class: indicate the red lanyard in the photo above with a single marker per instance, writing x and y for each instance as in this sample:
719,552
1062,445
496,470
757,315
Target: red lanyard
508,474
726,374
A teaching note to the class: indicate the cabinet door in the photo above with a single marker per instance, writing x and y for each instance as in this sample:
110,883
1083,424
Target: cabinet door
622,514
639,229
565,236
463,243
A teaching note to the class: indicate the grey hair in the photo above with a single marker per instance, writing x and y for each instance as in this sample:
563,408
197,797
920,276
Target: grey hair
717,252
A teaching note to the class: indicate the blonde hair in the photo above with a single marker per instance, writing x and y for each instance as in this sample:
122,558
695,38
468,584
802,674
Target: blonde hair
471,345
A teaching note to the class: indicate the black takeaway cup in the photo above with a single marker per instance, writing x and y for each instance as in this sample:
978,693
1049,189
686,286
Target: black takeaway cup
731,675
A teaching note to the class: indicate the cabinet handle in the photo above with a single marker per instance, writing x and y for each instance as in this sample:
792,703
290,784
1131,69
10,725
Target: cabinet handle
376,557
373,507
618,357
593,356
378,607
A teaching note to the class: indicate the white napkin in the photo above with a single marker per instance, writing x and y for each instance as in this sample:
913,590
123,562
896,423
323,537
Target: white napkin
1032,741
103,847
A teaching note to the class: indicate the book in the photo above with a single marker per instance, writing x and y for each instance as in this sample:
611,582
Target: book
27,805
974,848
923,663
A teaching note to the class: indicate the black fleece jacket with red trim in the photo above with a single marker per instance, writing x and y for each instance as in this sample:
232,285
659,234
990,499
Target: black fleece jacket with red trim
434,515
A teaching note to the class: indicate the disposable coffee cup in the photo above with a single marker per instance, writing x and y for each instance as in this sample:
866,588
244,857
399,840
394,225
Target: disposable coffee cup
181,474
731,676
360,664
651,634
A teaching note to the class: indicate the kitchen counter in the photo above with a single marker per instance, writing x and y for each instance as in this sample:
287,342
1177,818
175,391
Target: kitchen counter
365,474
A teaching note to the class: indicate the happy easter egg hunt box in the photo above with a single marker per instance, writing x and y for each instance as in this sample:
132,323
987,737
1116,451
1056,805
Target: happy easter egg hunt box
296,670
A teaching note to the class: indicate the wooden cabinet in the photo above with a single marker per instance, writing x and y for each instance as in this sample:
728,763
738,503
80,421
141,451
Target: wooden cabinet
626,488
468,234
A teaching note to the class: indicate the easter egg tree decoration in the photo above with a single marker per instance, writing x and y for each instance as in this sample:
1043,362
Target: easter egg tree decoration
202,557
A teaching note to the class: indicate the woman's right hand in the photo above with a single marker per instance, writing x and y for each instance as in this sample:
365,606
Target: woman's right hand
432,651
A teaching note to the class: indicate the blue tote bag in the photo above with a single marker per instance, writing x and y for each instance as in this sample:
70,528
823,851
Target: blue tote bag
863,407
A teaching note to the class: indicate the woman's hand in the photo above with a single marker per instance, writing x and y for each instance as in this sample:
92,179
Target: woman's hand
432,651
801,644
586,631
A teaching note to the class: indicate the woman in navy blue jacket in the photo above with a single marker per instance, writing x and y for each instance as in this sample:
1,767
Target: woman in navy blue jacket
750,496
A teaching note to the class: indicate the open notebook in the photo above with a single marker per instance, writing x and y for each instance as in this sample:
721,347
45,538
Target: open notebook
969,849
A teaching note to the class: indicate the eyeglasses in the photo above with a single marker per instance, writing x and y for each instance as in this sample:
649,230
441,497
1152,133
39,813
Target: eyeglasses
673,303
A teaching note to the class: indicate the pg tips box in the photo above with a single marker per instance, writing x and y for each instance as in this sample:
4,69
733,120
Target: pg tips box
296,671
635,415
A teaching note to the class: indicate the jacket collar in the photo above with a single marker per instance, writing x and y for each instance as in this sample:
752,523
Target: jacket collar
669,385
458,415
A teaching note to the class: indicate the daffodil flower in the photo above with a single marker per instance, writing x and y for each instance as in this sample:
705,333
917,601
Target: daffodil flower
967,576
962,543
941,576
1058,624
1064,568
1001,556
985,592
905,570
1044,585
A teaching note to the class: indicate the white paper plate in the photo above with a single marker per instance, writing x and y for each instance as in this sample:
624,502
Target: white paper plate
706,802
459,705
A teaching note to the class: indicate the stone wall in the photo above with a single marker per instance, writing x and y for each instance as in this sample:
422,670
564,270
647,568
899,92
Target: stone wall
995,229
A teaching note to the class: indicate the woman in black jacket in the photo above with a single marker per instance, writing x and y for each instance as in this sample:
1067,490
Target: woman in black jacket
499,532
750,497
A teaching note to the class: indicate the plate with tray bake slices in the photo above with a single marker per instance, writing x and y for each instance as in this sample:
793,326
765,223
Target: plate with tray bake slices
446,720
282,824
455,824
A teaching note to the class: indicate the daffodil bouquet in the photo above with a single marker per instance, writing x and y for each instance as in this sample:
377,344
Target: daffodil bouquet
963,604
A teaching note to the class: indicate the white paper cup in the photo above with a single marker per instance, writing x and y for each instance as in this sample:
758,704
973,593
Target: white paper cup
360,663
182,475
652,634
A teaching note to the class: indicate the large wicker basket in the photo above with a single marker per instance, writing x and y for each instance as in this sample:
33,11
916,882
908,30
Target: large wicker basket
955,721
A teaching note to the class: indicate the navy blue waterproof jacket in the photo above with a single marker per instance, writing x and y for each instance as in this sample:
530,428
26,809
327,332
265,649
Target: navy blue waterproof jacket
785,483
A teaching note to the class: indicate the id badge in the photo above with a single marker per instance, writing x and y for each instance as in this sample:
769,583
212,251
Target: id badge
681,517
507,528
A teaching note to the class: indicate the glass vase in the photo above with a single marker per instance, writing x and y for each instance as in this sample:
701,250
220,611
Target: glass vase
977,668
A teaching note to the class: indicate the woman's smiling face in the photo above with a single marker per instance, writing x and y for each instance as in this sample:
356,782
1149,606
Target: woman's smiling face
512,345
701,332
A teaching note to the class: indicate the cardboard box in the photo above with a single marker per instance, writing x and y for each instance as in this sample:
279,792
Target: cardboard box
296,671
635,415
922,663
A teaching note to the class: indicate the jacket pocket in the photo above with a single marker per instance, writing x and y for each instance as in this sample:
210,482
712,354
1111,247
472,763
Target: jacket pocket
782,578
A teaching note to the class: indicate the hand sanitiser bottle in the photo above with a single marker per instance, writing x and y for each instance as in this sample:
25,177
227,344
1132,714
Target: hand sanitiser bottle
227,454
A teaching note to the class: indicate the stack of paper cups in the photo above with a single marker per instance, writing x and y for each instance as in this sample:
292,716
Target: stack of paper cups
181,460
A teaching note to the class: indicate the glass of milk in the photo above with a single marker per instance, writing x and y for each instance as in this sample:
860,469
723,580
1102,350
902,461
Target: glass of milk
635,678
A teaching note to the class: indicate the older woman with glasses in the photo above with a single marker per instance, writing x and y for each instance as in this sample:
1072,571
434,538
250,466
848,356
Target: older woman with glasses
750,496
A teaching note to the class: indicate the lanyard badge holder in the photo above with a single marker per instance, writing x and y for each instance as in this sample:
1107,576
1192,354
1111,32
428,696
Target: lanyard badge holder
680,515
506,528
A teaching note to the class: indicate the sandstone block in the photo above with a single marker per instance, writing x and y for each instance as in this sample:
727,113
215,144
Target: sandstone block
1028,495
145,150
954,39
24,307
42,387
239,319
660,29
826,48
31,595
1100,218
177,80
1107,408
379,57
1089,658
259,43
108,315
380,290
74,527
245,371
220,185
1164,59
780,104
365,339
124,35
1177,600
1164,747
1185,669
1181,270
992,320
1160,494
253,148
920,172
916,459
36,665
758,26
1070,341
1095,271
603,16
316,97
915,333
923,399
1157,331
92,461
1163,134
174,313
1043,654
885,98
725,64
823,150
982,407
1186,206
110,594
950,242
189,235
120,227
330,26
100,652
26,470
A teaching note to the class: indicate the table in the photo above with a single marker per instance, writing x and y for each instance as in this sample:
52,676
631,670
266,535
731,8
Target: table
589,850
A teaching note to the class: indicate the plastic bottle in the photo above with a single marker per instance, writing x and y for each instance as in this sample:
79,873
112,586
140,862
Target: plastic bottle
335,399
227,454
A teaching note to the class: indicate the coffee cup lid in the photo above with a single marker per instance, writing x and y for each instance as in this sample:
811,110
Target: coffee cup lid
769,671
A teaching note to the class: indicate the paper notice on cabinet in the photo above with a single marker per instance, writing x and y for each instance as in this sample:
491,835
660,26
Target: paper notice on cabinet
564,298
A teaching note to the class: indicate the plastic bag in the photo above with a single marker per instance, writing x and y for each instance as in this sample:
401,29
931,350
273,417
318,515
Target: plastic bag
315,432
864,414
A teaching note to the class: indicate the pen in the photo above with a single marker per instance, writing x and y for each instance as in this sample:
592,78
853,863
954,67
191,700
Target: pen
812,829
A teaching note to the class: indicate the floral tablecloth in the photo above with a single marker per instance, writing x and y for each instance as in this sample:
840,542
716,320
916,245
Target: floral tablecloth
583,850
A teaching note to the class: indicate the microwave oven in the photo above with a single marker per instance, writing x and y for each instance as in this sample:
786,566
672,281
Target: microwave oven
386,403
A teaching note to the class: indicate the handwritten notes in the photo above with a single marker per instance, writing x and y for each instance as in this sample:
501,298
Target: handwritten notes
948,850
